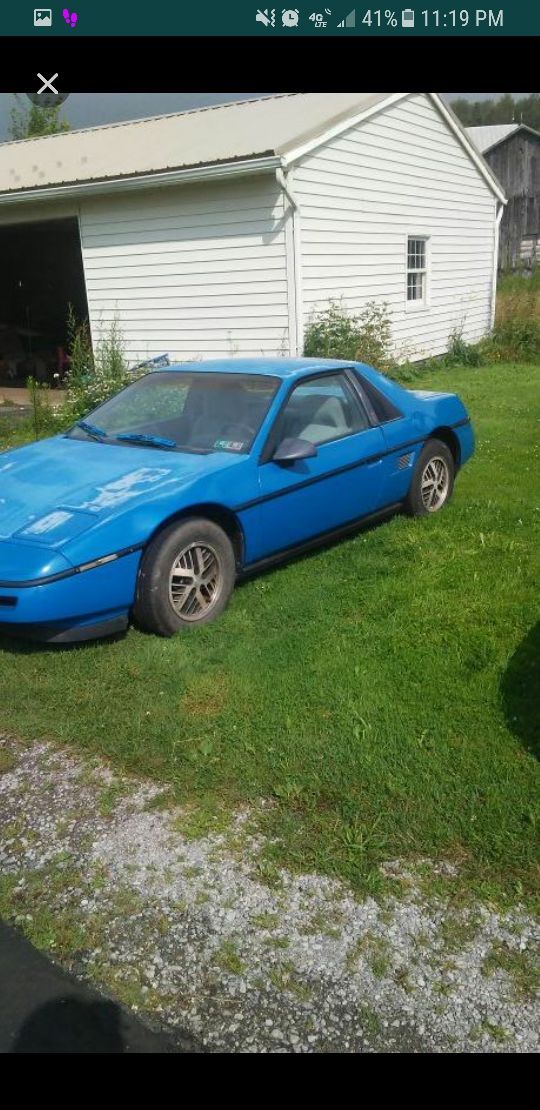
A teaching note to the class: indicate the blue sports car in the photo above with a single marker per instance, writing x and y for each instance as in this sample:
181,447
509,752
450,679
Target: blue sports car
196,475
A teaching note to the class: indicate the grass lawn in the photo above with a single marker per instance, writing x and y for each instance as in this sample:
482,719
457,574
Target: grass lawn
380,692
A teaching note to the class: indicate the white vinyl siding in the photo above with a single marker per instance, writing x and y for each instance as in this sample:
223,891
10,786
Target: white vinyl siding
196,271
400,174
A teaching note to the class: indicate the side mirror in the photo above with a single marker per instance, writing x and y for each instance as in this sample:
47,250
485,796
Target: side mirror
293,450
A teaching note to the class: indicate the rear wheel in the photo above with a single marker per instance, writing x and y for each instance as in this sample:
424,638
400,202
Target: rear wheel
186,577
432,481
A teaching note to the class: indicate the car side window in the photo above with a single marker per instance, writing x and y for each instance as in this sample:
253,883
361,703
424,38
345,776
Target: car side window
320,410
383,409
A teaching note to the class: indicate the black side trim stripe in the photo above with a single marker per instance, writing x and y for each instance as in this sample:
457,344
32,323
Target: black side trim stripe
339,470
320,539
72,570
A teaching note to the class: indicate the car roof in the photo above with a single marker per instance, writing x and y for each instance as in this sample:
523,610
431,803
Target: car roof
274,367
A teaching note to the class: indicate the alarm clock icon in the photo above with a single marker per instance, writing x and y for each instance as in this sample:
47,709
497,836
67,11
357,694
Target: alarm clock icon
289,17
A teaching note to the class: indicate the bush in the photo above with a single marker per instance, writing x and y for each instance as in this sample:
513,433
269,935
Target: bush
375,336
93,377
334,333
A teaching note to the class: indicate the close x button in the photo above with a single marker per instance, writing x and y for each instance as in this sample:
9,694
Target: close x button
47,95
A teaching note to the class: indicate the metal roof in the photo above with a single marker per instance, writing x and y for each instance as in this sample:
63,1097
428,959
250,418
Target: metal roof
225,133
486,137
246,136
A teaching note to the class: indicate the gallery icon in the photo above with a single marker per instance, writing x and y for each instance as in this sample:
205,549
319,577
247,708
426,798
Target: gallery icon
42,17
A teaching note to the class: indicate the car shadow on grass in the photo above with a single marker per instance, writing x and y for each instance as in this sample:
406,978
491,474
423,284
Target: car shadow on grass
18,644
520,686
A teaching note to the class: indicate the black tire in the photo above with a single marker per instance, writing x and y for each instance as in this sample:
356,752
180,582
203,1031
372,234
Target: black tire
154,610
415,503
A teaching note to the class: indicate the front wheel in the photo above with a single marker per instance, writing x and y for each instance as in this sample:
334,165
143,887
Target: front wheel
432,481
186,577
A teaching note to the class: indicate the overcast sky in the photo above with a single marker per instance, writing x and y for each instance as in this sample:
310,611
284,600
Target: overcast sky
92,109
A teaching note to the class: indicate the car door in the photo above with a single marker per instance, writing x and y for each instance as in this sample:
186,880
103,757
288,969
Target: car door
343,481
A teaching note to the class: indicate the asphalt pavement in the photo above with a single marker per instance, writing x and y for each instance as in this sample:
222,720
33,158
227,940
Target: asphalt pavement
44,1010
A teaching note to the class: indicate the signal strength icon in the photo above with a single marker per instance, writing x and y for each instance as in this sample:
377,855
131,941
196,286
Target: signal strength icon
349,21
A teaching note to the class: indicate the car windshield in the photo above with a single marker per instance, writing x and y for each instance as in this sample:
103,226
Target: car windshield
198,411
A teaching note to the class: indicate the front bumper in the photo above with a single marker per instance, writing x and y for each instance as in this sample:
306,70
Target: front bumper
77,606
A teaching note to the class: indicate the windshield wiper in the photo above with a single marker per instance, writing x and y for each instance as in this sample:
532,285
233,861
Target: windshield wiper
91,429
194,450
150,441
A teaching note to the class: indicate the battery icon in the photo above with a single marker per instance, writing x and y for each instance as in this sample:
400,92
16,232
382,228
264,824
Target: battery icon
407,17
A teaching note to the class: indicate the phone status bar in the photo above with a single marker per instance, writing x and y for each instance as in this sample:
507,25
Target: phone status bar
248,19
366,20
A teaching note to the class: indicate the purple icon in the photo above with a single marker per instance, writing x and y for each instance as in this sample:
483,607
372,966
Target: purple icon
70,17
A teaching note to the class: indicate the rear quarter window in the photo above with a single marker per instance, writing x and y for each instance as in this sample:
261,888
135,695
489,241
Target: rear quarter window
384,409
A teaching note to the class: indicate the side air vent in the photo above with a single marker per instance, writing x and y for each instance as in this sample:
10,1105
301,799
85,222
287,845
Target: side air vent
8,602
404,461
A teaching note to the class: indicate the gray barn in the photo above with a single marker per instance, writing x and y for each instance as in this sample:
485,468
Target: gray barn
512,150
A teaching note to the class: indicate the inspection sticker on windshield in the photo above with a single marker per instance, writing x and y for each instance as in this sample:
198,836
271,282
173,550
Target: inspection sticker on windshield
228,445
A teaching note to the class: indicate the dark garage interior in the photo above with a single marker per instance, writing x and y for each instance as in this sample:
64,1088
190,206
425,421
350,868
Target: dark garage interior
41,274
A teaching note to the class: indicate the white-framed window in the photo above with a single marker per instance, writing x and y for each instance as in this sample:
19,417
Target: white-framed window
417,270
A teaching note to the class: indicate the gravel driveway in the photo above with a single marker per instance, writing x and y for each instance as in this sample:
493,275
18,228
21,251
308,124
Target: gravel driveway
201,936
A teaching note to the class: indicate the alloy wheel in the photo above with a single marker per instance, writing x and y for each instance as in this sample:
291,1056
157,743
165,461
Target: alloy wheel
435,483
195,581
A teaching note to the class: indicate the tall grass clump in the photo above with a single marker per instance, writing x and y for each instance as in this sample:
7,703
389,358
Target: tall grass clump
520,280
516,334
461,353
43,419
93,376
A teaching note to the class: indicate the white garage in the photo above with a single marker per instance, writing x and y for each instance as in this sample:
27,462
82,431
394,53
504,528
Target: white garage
221,231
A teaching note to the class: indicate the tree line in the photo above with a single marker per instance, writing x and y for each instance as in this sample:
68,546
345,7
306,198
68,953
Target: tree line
28,120
475,113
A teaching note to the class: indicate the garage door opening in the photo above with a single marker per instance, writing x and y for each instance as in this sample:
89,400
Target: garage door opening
41,274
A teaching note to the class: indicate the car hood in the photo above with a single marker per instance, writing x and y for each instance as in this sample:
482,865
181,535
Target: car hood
53,490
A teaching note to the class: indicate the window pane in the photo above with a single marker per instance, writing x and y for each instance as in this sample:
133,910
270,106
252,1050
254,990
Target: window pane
415,287
321,410
416,254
